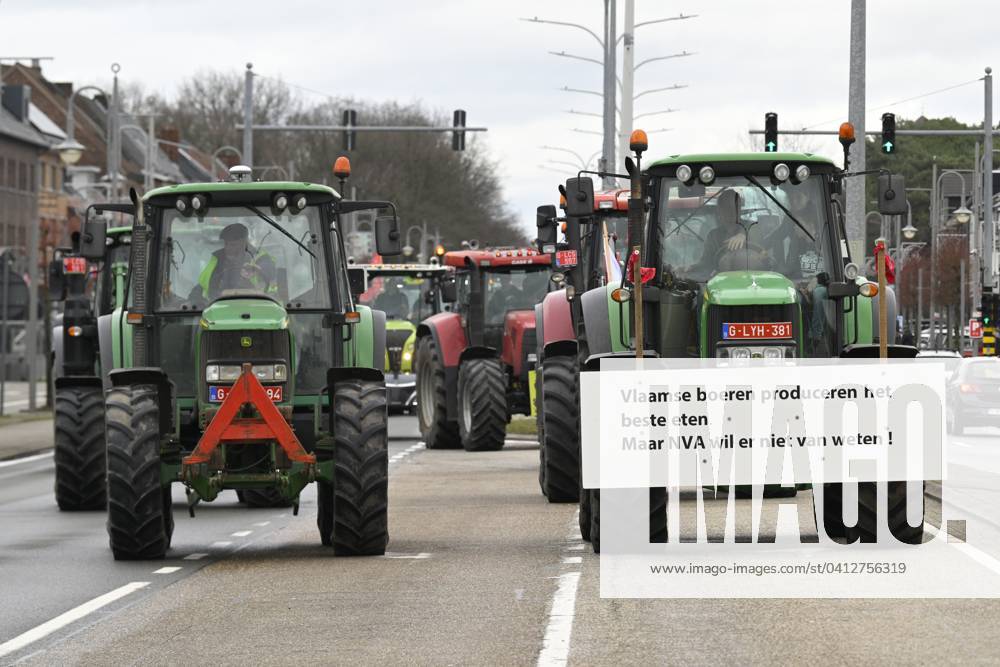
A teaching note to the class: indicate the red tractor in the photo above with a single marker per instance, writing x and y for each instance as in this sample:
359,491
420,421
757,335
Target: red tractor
557,353
475,365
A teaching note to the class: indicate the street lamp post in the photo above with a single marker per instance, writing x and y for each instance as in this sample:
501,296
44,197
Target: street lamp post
408,249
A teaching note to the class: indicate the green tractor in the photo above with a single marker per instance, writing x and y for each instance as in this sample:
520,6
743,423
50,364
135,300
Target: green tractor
407,294
742,256
240,361
90,291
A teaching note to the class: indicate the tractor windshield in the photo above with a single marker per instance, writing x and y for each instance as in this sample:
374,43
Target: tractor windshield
400,297
742,223
233,251
518,288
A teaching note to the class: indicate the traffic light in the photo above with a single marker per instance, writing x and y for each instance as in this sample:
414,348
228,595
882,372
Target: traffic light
888,133
350,136
458,136
771,132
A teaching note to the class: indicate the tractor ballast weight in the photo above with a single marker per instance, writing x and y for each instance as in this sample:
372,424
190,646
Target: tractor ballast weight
475,365
242,362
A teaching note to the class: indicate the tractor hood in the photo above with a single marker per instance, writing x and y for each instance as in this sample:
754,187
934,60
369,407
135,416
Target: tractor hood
747,288
244,313
516,321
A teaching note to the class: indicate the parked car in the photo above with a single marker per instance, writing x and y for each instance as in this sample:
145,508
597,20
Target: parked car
973,394
950,358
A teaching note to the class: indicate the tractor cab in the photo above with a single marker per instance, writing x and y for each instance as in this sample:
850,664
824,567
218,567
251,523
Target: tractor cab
407,294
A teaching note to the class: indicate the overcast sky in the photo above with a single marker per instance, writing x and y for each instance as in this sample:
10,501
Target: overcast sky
752,57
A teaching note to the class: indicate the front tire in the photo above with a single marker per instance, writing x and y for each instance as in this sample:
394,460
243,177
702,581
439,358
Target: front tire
482,403
360,491
140,522
80,456
432,405
560,442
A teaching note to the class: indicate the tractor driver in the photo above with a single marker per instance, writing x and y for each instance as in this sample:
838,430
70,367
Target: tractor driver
236,266
504,295
392,300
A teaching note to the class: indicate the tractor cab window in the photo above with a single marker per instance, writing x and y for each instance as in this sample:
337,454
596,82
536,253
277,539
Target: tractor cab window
518,288
400,297
233,251
734,225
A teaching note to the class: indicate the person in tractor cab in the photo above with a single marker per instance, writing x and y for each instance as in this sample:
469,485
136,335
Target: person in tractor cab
504,295
728,236
236,266
791,251
392,300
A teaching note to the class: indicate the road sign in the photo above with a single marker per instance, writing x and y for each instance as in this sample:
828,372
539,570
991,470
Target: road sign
975,329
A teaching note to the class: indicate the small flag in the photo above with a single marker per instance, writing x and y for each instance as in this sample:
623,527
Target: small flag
890,266
646,273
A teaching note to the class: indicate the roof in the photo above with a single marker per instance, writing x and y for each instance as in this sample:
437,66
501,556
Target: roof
402,269
14,129
231,186
740,157
43,123
496,257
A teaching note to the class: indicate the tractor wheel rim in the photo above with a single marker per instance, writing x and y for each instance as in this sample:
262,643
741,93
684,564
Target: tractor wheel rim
466,413
425,398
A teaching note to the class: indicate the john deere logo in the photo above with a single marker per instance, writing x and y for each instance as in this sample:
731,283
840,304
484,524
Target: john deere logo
245,341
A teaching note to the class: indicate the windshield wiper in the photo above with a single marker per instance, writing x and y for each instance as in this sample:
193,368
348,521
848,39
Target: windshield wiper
280,229
760,187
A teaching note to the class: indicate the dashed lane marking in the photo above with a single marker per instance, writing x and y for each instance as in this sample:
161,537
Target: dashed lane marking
220,545
197,556
64,619
241,533
261,524
972,552
170,569
420,556
25,459
572,560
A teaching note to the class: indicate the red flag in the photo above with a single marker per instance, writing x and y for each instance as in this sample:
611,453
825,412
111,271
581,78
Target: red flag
890,266
647,273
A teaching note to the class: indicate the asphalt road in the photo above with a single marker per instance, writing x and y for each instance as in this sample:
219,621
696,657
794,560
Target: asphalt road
481,570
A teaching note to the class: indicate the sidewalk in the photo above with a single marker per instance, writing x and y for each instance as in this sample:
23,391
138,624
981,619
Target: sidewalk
25,437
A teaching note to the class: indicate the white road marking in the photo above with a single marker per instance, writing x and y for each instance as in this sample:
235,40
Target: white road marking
194,556
399,456
575,547
262,524
170,569
220,545
420,556
981,557
25,459
242,533
75,614
555,646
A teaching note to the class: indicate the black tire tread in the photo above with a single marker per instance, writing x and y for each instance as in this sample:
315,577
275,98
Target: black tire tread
560,442
481,382
139,527
441,433
360,469
80,456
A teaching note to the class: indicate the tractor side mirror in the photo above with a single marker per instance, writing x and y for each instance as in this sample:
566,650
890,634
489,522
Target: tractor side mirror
579,197
387,237
57,280
92,240
546,223
891,194
449,291
357,280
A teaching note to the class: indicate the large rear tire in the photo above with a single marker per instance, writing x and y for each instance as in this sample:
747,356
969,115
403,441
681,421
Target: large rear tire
657,517
360,469
560,443
80,456
140,523
482,405
866,529
432,407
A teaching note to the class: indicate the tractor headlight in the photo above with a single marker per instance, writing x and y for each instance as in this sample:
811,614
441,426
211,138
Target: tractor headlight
739,353
684,173
706,175
407,356
773,353
801,173
781,172
271,372
280,372
229,373
212,373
